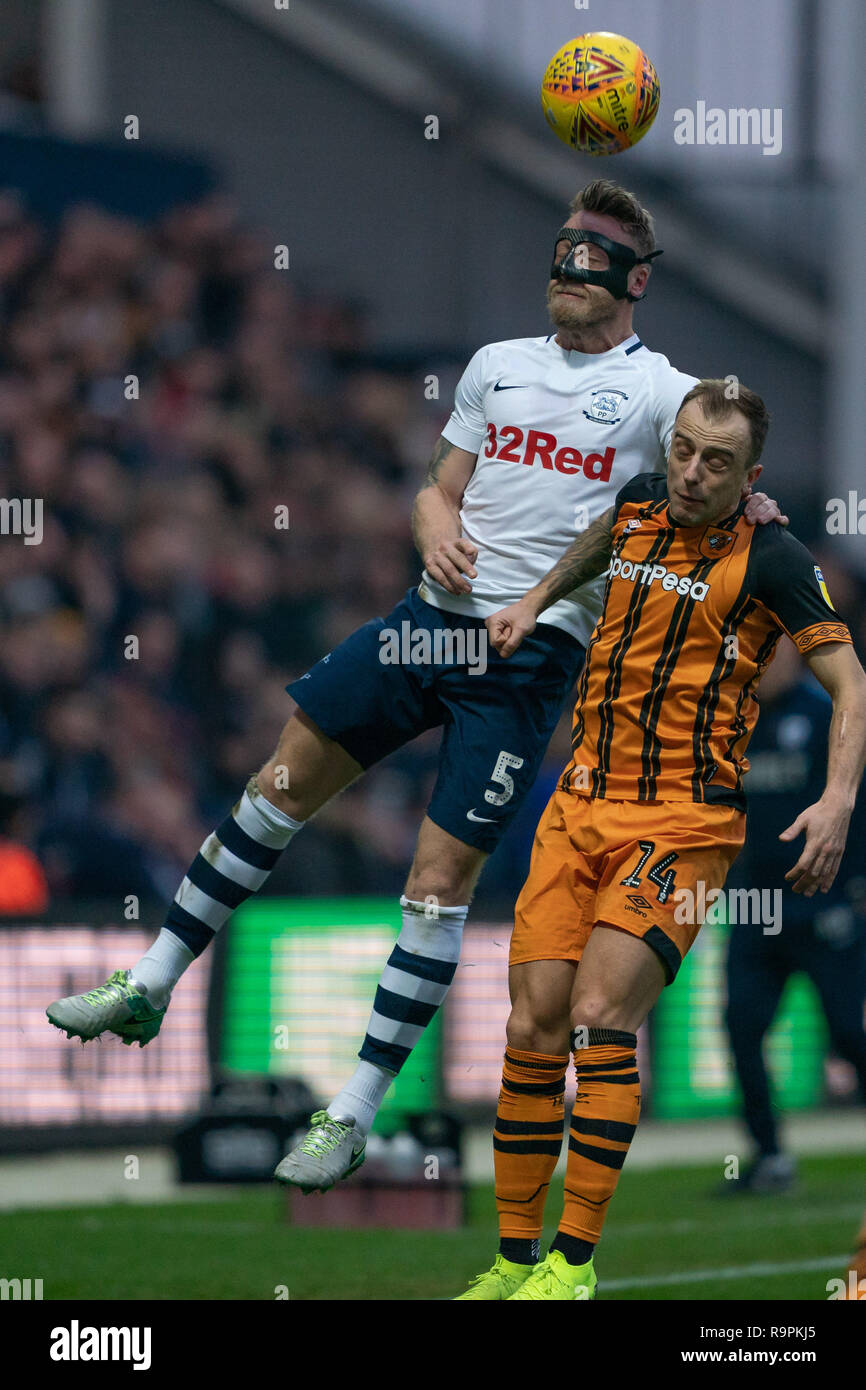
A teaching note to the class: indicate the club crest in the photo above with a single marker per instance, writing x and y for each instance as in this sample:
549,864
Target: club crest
605,406
715,543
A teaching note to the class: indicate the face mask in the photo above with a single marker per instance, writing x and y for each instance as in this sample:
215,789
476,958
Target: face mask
614,279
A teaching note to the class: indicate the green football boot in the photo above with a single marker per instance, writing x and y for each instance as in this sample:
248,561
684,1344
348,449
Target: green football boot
502,1281
119,1006
556,1280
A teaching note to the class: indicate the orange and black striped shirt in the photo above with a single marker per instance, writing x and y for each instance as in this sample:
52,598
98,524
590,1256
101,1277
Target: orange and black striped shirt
666,701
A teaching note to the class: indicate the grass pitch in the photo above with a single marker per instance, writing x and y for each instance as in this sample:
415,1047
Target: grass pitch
668,1237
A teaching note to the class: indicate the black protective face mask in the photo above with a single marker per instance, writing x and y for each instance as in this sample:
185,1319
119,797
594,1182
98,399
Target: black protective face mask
614,279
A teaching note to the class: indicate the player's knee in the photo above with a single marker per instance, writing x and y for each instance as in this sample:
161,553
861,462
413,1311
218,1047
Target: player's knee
437,890
535,1030
521,1032
596,1011
265,782
443,883
274,783
286,778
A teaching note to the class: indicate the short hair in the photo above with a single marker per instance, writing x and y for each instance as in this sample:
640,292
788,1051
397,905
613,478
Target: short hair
719,398
611,200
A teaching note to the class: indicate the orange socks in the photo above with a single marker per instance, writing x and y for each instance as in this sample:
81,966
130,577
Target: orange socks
527,1139
603,1123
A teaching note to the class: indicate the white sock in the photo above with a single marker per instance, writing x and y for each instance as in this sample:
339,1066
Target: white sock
161,967
419,972
362,1095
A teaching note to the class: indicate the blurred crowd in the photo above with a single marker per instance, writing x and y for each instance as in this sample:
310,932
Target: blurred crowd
174,399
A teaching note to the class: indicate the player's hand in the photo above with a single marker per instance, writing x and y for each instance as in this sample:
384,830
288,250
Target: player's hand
509,626
450,563
760,509
826,828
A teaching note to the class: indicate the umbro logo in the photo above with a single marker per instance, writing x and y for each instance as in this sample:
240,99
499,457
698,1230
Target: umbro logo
639,902
521,387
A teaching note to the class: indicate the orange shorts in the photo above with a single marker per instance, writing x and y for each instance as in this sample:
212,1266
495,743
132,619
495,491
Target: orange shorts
624,863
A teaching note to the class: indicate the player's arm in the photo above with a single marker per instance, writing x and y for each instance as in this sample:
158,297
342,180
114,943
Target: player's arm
448,557
826,822
586,558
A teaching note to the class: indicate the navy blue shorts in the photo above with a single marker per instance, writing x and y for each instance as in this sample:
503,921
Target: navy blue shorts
422,667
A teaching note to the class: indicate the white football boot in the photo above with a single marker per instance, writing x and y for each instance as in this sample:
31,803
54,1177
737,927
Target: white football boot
119,1006
331,1150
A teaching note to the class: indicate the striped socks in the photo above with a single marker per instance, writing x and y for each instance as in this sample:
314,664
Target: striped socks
412,986
603,1122
231,865
527,1139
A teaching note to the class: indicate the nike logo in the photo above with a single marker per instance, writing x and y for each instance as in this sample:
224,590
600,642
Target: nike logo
470,815
521,387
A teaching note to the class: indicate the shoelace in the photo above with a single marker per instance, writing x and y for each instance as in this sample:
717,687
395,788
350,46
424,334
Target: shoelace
485,1273
324,1134
112,992
546,1281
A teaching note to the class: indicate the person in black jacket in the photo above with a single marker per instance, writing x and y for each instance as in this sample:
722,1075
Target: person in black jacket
825,937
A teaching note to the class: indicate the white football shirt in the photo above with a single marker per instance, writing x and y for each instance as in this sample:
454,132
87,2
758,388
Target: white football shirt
557,434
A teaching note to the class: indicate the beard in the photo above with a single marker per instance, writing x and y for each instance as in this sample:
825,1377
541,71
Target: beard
587,310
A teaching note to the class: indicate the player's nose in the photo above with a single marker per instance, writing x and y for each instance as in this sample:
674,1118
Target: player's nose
691,472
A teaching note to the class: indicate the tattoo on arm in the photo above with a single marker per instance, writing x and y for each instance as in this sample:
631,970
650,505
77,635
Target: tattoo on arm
587,557
434,467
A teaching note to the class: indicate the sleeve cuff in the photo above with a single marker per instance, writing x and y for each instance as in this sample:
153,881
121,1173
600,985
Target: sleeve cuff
819,633
463,437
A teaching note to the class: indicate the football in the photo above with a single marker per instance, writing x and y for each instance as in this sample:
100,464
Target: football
600,93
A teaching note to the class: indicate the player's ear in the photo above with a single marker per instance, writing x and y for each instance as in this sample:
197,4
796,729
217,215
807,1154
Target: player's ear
638,277
752,476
